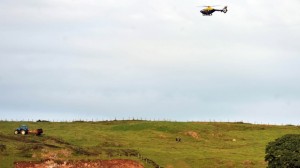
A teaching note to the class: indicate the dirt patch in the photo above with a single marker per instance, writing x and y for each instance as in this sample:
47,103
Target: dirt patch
162,136
55,155
248,163
192,134
117,163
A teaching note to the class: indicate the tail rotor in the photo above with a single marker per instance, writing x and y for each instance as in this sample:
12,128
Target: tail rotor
224,10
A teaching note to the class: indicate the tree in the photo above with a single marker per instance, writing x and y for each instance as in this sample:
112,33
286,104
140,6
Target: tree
284,152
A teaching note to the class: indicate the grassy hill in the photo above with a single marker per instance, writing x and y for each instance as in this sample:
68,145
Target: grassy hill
152,143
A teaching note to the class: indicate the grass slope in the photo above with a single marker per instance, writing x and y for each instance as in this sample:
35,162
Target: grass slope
203,144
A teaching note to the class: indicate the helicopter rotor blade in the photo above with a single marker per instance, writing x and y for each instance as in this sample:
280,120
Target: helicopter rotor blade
209,5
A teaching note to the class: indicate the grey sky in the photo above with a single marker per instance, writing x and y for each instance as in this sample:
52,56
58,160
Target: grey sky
90,59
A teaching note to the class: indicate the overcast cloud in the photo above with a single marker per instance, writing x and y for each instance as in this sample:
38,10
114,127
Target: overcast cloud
91,59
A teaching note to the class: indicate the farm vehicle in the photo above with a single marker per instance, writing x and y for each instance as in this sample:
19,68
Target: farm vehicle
23,129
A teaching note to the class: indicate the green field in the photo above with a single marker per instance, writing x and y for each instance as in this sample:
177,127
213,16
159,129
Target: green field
203,144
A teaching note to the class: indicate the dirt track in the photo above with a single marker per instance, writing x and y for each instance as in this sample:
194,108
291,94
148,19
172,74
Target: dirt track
117,163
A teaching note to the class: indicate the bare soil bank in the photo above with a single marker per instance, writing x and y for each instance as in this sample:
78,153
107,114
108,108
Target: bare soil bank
117,163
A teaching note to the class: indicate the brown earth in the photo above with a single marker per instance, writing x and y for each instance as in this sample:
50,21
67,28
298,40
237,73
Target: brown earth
117,163
192,134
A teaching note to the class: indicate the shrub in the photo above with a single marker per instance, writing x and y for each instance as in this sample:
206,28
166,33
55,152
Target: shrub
284,152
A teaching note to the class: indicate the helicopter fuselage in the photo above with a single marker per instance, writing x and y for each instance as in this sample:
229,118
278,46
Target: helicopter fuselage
209,11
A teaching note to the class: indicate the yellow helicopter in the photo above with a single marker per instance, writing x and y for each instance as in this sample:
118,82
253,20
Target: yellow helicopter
209,10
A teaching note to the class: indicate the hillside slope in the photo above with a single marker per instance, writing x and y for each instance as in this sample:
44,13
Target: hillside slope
149,143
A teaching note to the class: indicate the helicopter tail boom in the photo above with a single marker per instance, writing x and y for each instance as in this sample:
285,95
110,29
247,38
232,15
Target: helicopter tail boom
224,10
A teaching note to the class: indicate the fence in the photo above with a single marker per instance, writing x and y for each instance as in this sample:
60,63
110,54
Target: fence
141,119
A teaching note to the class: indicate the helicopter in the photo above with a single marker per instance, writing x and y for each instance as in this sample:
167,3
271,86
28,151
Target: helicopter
209,10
